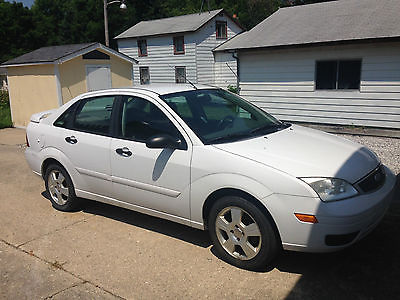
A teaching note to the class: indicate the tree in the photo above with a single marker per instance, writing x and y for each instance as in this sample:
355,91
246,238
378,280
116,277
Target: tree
15,30
57,22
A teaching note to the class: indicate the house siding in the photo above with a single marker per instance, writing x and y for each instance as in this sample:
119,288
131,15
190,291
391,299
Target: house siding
161,59
32,89
282,83
207,41
73,75
198,58
225,68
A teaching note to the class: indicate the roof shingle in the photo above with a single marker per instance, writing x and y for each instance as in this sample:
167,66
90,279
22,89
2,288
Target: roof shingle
47,54
53,54
171,25
335,21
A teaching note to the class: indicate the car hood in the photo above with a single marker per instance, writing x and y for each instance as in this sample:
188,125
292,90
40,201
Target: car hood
305,152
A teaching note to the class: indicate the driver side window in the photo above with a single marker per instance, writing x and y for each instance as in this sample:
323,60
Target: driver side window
141,119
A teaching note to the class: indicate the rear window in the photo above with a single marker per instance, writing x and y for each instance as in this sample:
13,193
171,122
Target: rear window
65,119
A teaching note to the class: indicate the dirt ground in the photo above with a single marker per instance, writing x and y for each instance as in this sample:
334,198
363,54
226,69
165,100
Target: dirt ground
105,252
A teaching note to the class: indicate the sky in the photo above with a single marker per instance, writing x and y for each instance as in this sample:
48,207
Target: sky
27,3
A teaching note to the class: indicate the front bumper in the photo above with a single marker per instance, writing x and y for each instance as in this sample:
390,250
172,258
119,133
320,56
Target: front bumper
340,223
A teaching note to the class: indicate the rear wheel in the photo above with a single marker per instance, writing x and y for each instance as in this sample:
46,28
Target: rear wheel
242,234
60,188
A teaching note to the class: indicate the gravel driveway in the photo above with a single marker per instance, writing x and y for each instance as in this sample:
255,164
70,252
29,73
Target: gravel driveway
388,149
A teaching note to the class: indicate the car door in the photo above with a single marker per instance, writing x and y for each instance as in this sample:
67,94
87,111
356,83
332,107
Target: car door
158,179
84,138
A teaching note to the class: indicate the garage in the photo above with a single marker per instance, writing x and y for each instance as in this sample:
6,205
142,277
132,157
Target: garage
51,76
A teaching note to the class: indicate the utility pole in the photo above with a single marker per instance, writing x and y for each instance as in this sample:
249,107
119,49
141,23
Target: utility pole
202,4
105,5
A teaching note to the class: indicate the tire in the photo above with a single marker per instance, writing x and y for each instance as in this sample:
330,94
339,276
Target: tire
242,234
60,188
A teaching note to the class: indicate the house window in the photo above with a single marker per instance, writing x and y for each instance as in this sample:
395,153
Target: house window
180,74
221,30
144,75
179,45
142,47
338,75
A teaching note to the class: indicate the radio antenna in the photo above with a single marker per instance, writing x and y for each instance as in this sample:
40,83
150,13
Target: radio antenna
191,83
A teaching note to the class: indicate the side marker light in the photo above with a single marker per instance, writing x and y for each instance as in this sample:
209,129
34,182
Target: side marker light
306,218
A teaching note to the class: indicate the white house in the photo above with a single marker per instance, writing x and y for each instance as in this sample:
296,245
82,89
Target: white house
335,62
172,49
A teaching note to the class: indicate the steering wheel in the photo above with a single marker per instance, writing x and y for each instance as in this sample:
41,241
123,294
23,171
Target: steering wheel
226,122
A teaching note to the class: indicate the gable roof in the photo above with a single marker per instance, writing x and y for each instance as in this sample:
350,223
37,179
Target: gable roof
335,21
179,24
60,54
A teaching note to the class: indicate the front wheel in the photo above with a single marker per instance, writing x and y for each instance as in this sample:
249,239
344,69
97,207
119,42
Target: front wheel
242,234
60,188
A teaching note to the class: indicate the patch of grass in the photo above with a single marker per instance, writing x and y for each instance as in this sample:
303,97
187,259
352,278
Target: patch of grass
5,112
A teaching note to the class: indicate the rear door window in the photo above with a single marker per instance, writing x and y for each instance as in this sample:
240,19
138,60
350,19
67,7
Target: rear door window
94,115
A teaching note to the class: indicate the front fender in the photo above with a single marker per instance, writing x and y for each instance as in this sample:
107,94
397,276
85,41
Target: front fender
206,185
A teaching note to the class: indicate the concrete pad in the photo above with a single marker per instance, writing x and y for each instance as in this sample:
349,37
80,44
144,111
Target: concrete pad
84,291
12,136
24,213
27,277
137,256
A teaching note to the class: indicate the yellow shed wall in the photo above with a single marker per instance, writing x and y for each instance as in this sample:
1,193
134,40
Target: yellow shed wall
73,74
32,89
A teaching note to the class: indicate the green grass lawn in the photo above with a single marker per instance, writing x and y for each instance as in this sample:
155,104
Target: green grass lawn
5,112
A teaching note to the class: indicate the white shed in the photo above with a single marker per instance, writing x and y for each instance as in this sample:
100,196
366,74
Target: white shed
335,63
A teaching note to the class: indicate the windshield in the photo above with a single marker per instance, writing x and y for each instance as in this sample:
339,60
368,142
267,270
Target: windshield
217,116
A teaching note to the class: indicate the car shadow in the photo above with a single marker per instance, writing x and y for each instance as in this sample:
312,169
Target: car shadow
369,269
169,228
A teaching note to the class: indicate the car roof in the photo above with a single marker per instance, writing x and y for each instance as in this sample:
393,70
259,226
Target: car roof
157,88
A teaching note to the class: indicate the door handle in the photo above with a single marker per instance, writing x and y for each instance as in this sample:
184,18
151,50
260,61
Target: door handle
71,139
125,152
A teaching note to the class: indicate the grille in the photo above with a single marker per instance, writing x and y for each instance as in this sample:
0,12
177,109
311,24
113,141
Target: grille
340,239
373,180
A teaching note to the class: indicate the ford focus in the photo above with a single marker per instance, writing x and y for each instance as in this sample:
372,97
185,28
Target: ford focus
207,158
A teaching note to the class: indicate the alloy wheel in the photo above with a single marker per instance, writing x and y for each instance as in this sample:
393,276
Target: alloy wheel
238,233
58,187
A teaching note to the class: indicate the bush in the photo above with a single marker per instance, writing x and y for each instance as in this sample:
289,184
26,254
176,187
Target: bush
233,89
4,99
5,112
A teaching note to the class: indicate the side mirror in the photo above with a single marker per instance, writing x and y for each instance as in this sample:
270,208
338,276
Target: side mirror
162,141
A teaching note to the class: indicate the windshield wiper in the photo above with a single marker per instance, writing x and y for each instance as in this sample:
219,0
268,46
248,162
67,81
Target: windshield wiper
270,128
266,128
228,137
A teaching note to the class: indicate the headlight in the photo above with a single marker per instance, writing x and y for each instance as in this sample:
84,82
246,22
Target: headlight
331,189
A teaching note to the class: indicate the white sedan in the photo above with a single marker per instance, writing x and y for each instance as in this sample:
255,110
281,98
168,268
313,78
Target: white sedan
206,158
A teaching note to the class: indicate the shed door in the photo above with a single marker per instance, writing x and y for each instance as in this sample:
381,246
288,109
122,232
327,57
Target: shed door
98,77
